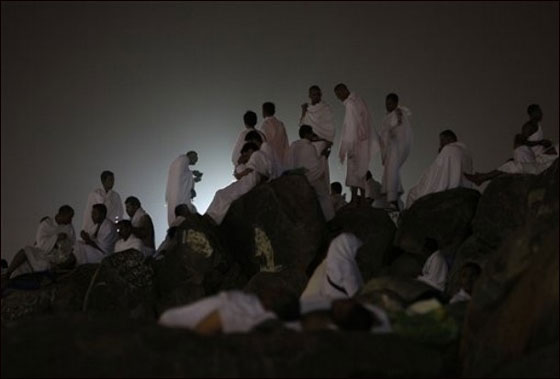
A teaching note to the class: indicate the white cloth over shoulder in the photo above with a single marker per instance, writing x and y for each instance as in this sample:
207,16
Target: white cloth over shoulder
276,137
180,182
239,312
320,117
112,201
137,217
104,235
435,271
302,154
223,198
132,242
445,173
525,162
462,295
395,141
338,276
240,142
358,141
540,150
46,251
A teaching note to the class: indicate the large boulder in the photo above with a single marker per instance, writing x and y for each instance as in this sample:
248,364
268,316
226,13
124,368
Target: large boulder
277,225
121,282
444,217
103,345
377,232
514,311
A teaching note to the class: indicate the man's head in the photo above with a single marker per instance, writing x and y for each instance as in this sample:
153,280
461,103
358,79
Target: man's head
193,157
250,119
349,314
248,149
336,187
108,180
182,210
315,94
535,113
306,132
446,137
132,204
268,109
124,228
254,137
64,215
391,102
469,274
341,91
98,213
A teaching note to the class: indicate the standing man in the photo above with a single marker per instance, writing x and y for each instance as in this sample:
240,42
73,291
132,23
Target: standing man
358,141
532,135
275,133
396,140
319,116
180,183
107,196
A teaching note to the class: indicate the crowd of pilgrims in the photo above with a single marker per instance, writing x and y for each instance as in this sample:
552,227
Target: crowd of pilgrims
261,155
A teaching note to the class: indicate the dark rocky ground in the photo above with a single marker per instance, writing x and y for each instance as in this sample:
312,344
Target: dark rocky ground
99,320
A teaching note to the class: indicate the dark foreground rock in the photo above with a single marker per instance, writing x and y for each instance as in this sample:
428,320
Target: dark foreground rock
100,345
443,217
277,225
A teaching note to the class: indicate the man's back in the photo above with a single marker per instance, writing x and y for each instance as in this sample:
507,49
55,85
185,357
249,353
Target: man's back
276,136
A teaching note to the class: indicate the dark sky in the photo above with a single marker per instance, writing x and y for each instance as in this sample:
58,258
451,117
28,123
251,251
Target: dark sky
126,86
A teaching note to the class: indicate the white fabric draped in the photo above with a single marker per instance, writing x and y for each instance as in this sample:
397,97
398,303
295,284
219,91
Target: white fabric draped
358,141
112,201
302,154
525,162
340,268
136,219
223,198
434,272
320,117
395,142
132,242
180,182
104,235
240,142
46,251
462,295
445,173
276,136
239,312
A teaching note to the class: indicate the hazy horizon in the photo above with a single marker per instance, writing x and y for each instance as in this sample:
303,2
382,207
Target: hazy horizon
128,86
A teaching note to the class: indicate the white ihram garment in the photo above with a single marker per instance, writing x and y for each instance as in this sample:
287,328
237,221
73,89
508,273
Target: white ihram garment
104,235
180,182
112,201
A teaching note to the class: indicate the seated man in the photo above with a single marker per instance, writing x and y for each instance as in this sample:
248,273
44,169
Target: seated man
142,226
233,311
257,169
302,154
99,241
523,162
105,195
276,167
127,239
338,276
53,245
446,171
337,199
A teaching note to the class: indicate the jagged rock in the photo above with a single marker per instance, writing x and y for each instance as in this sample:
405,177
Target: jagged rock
376,230
134,348
444,217
291,280
195,267
502,208
275,226
542,198
514,309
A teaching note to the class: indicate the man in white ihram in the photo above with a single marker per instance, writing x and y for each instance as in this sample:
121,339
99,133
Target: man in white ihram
107,196
358,141
396,141
319,116
302,154
250,120
446,172
257,169
180,183
98,241
275,133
